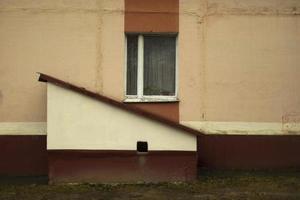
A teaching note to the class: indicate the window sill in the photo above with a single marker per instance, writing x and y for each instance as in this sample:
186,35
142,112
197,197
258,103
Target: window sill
151,100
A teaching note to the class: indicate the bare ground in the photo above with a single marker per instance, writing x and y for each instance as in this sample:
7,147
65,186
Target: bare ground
211,185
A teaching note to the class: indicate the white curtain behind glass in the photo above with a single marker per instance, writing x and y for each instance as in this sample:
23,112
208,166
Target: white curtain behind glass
159,65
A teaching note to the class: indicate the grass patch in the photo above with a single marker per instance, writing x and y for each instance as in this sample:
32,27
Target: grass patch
210,185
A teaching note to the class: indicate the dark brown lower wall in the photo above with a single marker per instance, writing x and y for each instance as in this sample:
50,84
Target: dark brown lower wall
27,156
121,166
23,156
248,152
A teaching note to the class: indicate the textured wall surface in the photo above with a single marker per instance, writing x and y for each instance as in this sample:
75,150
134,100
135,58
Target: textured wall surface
237,60
239,64
72,40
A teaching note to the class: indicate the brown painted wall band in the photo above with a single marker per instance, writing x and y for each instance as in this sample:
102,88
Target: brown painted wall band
27,155
152,16
249,151
121,166
23,155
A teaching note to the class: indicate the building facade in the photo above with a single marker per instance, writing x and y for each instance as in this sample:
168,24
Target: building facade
232,72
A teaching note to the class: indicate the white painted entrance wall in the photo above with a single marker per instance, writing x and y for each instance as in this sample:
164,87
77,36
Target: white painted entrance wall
79,122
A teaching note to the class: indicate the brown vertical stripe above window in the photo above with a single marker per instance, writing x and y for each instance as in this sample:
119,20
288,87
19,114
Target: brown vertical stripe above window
151,16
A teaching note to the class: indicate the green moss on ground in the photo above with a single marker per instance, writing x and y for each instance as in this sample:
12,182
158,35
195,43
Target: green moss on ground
210,185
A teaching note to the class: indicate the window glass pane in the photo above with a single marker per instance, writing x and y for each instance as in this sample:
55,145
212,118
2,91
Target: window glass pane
159,65
132,50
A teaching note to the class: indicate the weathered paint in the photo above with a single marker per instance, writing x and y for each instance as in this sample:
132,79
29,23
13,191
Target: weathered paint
23,128
245,128
191,54
112,41
23,155
79,122
237,64
121,166
249,151
77,41
237,61
253,7
252,68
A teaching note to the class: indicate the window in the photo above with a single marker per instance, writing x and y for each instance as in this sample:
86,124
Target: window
151,67
142,147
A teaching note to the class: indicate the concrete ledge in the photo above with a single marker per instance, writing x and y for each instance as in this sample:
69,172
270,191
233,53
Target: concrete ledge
23,128
246,128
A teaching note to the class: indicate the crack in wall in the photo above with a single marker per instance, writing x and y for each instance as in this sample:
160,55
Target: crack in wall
98,77
61,10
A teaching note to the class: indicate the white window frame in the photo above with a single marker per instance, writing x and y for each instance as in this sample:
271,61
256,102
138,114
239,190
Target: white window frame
140,97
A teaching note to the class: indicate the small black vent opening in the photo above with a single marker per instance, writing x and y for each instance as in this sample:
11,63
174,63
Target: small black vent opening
142,146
